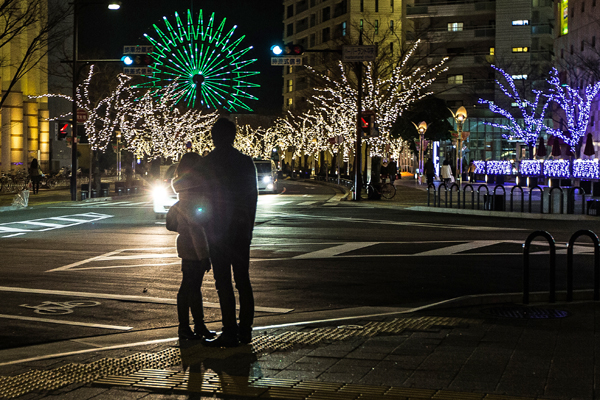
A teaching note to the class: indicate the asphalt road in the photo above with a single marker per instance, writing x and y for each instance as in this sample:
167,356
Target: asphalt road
73,270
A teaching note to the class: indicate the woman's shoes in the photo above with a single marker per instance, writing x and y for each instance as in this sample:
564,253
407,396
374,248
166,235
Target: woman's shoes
188,334
203,331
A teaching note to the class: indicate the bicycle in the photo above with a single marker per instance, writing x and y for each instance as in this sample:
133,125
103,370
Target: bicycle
388,191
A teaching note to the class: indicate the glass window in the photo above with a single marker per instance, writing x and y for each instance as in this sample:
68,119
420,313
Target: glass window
360,24
290,11
290,85
362,5
376,26
520,49
326,14
455,79
376,5
344,28
492,51
289,102
392,26
520,22
392,5
455,26
594,42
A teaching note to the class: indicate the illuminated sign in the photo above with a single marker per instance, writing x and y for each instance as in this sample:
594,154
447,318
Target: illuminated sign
564,17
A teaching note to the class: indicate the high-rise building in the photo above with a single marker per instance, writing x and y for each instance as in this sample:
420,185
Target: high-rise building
577,50
514,35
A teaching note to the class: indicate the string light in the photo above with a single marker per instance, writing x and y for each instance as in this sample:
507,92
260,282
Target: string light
530,126
501,167
530,167
586,169
577,108
557,168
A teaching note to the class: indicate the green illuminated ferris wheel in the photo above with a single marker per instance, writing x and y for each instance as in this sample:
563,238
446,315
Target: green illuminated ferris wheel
204,61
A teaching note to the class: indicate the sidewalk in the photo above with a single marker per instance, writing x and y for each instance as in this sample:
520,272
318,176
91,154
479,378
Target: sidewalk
480,352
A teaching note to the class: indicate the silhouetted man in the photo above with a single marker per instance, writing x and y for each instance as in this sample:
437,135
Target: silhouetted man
233,194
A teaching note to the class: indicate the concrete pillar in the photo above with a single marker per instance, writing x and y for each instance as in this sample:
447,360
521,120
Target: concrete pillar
31,142
44,139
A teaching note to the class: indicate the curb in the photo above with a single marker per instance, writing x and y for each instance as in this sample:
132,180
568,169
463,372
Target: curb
503,214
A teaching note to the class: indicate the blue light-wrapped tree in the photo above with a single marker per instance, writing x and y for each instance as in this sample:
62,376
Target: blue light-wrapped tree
531,112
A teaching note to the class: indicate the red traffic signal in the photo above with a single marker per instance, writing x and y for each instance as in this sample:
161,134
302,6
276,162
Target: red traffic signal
137,60
64,129
294,50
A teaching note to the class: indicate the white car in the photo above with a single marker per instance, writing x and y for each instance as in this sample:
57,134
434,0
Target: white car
266,172
163,195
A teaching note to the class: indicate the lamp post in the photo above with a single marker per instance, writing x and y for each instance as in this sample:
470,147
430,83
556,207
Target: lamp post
459,117
112,5
421,128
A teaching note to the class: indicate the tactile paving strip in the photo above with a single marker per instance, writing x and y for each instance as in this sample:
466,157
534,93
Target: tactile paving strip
122,371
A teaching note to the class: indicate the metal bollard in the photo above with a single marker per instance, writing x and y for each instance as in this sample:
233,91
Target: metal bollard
526,245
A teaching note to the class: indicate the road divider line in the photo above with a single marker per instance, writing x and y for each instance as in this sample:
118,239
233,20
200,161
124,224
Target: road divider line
63,322
334,251
78,263
125,297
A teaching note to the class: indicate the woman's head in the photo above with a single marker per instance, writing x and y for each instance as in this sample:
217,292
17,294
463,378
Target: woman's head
187,163
34,163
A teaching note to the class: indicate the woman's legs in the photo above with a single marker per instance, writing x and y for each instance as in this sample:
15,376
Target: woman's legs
189,296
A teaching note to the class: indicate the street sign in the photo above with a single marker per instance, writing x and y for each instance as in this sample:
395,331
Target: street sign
359,53
286,60
138,71
82,115
137,49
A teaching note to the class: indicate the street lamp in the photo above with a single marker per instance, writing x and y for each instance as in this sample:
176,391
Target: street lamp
112,5
459,117
421,128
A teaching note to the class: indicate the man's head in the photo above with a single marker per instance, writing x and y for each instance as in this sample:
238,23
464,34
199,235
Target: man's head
223,133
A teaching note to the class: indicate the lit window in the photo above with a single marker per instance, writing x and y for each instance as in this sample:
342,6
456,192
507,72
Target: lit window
455,79
376,26
520,22
344,28
392,26
519,77
492,51
455,26
289,102
360,24
290,69
290,85
520,49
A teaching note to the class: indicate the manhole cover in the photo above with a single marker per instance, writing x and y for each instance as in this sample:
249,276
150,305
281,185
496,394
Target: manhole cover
526,312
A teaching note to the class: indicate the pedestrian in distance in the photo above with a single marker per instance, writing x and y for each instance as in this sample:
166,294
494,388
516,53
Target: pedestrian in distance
192,246
429,171
471,171
446,172
233,198
392,170
384,171
36,174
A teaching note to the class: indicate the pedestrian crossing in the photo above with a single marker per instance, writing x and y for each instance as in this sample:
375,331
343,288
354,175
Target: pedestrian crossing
19,228
109,204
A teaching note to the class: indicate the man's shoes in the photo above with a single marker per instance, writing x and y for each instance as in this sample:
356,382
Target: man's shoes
224,340
203,331
188,334
245,336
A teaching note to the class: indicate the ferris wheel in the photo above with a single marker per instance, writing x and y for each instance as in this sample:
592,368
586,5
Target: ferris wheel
205,62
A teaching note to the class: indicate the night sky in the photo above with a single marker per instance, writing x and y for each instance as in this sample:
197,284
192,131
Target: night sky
259,20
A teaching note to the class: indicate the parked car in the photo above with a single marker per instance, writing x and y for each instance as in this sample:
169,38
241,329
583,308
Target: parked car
266,172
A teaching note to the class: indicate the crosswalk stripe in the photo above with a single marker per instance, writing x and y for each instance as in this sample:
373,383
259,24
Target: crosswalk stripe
306,203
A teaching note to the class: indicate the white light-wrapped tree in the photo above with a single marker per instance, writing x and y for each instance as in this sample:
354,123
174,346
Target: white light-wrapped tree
388,97
155,127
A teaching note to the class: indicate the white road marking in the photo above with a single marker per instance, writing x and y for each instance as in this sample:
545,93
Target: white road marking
47,224
280,203
63,322
306,203
335,251
450,250
125,297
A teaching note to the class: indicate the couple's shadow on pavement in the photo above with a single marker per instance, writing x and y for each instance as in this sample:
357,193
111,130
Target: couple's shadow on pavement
230,368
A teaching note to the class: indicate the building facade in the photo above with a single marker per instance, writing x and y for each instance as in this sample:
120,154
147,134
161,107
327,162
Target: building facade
25,130
514,35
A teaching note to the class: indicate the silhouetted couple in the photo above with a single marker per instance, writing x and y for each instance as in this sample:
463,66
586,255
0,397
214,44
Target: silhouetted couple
216,209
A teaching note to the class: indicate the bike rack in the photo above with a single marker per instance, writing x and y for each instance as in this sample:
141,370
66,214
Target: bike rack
487,191
431,185
572,194
551,205
596,241
468,185
455,185
522,198
526,245
493,202
440,196
541,198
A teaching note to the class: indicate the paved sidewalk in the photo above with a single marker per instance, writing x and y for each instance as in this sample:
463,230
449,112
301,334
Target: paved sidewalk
480,352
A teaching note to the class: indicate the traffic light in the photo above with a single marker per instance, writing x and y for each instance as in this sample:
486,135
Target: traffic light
287,50
367,123
63,129
137,60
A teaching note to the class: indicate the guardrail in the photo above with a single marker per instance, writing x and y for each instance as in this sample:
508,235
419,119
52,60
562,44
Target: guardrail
497,199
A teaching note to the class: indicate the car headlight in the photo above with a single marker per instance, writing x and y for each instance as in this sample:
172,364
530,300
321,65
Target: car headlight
266,179
159,192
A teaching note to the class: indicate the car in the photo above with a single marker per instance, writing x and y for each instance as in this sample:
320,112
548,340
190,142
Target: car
163,195
266,172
